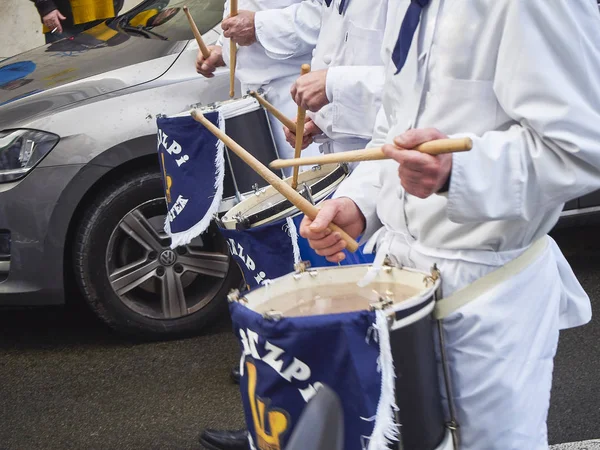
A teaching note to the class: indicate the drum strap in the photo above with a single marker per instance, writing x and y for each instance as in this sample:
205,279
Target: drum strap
446,306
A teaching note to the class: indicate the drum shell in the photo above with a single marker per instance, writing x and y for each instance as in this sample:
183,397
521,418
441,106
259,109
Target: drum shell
412,339
417,383
252,131
267,205
358,391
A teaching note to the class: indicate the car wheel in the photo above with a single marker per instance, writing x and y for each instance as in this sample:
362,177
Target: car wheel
133,280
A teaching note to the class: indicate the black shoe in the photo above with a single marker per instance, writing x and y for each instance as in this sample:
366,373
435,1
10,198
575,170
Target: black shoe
235,375
225,440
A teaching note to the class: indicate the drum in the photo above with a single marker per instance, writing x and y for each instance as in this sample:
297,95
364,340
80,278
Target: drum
247,123
262,230
317,326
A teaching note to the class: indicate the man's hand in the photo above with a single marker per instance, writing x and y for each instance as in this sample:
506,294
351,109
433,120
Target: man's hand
345,214
240,28
52,20
309,91
420,174
207,66
310,131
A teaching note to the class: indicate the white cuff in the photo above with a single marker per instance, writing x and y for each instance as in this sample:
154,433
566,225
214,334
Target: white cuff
329,82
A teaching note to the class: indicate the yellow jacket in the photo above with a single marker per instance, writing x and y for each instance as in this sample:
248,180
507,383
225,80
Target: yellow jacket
85,11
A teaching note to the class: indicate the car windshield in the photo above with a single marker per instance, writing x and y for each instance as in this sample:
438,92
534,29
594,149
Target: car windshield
165,19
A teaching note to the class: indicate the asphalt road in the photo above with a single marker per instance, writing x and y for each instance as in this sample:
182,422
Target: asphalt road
66,382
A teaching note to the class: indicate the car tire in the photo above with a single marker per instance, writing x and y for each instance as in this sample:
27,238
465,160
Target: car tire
139,286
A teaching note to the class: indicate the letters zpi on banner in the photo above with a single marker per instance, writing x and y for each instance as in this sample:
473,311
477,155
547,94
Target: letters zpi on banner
193,168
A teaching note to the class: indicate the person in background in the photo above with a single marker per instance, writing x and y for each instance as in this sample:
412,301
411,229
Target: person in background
258,69
342,94
66,18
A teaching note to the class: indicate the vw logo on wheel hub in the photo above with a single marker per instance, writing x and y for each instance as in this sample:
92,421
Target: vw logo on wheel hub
167,258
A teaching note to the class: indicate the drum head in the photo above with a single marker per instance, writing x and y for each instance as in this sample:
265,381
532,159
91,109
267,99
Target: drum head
334,290
268,204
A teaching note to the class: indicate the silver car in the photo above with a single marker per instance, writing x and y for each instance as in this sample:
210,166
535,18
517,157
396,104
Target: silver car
81,196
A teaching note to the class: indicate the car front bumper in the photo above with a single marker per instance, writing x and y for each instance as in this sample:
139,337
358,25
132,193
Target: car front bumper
31,271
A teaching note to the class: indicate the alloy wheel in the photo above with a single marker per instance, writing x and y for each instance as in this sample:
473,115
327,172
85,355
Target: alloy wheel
159,282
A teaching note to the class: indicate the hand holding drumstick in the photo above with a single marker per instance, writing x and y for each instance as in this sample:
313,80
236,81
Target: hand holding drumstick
289,126
209,58
420,174
284,188
310,131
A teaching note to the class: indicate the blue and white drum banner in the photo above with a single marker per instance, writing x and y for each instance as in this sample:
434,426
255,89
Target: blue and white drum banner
284,361
270,251
193,168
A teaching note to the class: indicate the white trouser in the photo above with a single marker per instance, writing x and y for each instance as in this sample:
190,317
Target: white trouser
500,347
277,92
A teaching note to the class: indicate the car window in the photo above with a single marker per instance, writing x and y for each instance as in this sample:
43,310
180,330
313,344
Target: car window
165,19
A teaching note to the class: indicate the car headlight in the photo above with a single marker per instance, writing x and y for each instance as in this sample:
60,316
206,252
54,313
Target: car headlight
21,150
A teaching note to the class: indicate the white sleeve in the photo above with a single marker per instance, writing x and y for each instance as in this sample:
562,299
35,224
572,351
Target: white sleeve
364,184
546,81
356,93
289,32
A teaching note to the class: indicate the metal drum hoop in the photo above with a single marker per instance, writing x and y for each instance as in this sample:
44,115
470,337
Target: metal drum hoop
399,312
237,219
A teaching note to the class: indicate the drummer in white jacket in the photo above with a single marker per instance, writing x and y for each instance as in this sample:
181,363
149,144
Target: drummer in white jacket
518,77
256,69
343,91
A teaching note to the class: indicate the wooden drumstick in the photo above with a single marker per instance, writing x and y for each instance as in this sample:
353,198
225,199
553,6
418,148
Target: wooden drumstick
203,48
289,123
232,53
438,147
281,186
299,130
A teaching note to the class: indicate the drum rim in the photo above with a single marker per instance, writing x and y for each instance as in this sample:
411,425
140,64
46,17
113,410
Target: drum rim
212,107
423,301
230,222
245,98
265,217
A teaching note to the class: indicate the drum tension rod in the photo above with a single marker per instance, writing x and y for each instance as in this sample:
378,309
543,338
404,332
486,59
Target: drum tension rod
234,296
302,266
241,223
306,192
385,301
257,189
273,315
435,275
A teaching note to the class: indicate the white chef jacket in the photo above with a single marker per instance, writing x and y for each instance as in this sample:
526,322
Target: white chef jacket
254,66
255,69
349,46
519,78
